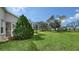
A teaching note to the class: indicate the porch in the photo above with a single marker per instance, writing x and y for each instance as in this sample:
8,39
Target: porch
5,30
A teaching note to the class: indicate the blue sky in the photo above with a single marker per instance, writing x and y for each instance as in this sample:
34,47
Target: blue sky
43,13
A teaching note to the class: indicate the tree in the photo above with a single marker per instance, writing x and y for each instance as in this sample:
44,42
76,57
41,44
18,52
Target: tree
43,26
62,17
23,29
40,26
35,26
55,24
50,19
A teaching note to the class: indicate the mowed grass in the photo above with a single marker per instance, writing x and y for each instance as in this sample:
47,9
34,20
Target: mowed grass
45,41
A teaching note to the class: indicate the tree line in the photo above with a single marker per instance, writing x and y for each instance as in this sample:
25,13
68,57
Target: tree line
54,23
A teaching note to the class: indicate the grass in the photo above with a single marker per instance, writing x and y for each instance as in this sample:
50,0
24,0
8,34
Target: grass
45,41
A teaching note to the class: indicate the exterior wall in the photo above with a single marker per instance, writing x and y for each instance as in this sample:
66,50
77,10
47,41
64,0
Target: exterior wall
12,19
0,26
1,17
6,17
1,13
4,27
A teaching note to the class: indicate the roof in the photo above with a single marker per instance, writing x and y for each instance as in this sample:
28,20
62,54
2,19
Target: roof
8,12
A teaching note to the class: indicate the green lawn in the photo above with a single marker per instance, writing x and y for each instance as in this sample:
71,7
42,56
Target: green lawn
45,41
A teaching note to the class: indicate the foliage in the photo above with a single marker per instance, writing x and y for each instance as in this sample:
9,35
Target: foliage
55,24
40,26
62,17
50,19
35,25
43,26
23,29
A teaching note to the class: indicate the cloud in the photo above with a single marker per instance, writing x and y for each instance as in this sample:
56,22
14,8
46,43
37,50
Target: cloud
17,9
77,10
71,17
70,20
76,16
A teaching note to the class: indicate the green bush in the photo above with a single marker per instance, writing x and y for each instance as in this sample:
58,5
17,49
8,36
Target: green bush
23,29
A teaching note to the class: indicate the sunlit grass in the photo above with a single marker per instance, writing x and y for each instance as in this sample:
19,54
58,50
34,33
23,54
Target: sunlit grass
45,41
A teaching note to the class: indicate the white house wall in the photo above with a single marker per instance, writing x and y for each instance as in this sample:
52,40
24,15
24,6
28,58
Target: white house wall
10,18
6,17
1,17
2,13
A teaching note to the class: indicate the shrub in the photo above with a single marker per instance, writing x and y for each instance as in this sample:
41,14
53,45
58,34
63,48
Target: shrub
23,29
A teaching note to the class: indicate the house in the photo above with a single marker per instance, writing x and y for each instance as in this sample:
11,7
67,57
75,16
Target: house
7,23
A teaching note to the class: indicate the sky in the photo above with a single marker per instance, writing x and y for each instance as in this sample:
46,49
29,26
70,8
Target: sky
43,13
36,14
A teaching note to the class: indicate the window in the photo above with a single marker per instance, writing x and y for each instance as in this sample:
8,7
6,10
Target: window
1,29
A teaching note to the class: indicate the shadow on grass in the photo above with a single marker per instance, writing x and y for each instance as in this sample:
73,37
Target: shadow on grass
4,42
41,34
32,47
37,37
30,42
